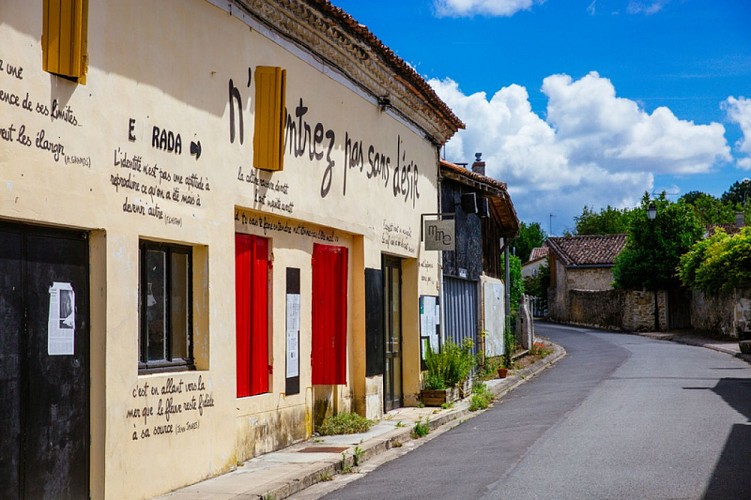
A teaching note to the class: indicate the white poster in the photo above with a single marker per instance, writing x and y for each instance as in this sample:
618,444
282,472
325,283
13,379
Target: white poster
62,319
429,320
293,335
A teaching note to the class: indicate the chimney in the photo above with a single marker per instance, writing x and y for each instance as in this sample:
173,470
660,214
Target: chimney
478,166
740,220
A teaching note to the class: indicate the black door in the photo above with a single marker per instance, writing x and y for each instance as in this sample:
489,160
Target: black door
44,363
392,295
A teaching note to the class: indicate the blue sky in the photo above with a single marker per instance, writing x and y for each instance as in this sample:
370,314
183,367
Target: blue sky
587,102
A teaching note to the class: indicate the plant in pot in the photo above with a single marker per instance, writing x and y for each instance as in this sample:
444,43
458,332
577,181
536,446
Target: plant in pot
446,371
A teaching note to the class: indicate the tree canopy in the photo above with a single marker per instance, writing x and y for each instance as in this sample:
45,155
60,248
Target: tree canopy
739,193
609,220
719,263
530,236
654,248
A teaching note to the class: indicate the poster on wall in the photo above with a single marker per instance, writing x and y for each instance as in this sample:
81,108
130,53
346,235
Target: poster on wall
61,320
293,335
429,323
292,372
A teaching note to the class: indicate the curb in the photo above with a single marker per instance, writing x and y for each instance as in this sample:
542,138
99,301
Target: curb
695,341
378,445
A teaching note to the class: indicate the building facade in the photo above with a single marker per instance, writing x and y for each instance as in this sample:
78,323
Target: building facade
209,235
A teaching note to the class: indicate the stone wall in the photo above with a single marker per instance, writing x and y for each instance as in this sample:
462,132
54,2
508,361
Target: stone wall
601,309
727,313
639,310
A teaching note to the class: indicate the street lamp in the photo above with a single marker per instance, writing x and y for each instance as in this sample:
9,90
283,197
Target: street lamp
652,215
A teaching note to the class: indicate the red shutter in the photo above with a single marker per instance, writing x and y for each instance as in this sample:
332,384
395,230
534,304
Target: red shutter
251,302
329,356
259,325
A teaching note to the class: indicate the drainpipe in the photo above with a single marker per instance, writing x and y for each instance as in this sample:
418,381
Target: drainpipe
441,317
507,288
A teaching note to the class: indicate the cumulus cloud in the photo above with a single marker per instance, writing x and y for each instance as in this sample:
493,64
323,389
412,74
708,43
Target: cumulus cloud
465,8
739,111
592,147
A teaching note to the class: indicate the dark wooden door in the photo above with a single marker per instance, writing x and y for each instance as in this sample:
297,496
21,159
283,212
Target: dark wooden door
44,307
392,295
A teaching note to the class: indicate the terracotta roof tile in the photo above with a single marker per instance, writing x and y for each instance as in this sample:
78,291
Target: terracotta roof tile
587,250
538,253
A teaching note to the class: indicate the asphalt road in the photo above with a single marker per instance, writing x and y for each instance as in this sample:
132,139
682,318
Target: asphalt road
621,417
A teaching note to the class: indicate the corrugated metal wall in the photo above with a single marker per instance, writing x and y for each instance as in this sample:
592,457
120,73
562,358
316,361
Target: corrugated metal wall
460,313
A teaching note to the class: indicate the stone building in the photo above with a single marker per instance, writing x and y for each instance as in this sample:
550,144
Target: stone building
209,224
580,263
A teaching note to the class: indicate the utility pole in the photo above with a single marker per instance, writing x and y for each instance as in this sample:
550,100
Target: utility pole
550,225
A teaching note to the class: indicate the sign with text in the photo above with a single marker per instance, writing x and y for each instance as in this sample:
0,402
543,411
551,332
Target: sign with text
439,235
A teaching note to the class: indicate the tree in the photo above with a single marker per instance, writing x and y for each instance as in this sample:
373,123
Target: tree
653,249
530,236
739,193
516,287
719,263
610,220
538,284
709,209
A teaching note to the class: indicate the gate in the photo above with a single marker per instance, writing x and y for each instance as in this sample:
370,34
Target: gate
460,314
679,308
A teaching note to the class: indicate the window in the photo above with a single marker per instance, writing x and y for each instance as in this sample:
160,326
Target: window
270,114
252,314
165,307
64,38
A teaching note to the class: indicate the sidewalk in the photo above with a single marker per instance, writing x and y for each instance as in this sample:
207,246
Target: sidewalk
725,345
283,473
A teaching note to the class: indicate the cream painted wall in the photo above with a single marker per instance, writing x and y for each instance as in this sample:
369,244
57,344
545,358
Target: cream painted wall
174,69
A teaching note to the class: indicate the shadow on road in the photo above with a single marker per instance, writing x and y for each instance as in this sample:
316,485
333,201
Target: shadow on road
731,478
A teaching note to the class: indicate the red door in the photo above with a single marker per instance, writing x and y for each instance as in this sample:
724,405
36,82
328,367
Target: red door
252,314
329,356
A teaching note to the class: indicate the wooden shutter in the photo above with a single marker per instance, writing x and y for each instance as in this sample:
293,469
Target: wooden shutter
64,37
329,356
251,289
268,135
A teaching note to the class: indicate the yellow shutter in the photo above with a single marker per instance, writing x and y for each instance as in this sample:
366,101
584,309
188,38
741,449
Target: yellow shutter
268,134
64,37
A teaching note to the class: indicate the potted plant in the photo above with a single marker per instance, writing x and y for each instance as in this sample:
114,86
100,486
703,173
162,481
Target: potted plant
447,373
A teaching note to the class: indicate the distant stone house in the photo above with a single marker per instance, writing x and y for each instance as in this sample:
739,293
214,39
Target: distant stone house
537,258
580,263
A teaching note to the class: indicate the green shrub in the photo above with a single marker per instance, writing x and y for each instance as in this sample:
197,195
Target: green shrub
344,423
719,263
481,397
449,367
421,429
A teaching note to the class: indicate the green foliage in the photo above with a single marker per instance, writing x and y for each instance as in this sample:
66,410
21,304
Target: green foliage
610,220
490,367
538,284
530,236
481,397
516,289
739,193
540,349
709,209
421,429
449,367
652,253
509,347
344,423
719,263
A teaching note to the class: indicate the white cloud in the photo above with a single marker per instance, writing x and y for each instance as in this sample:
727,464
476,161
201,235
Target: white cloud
464,8
593,148
739,111
647,8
